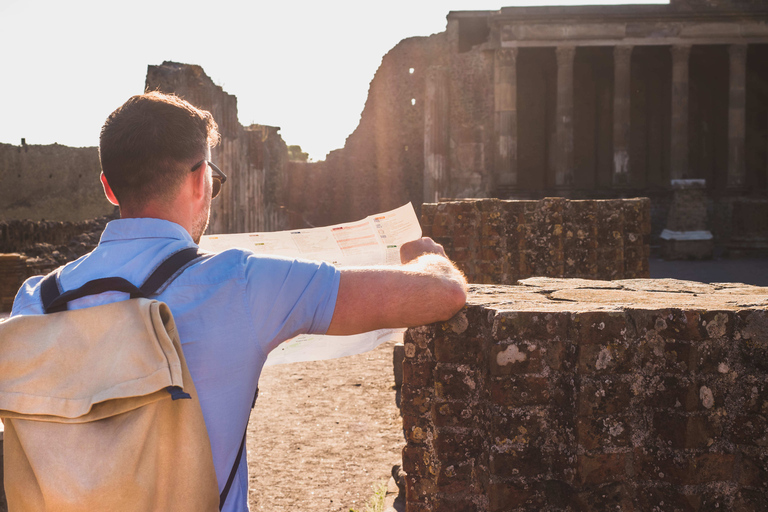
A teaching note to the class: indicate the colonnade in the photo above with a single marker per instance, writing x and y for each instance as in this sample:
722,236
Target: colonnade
505,90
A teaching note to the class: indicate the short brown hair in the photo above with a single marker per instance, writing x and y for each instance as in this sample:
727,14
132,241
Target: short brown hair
147,143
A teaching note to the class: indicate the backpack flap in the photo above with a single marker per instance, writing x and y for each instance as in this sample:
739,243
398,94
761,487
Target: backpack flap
87,364
90,423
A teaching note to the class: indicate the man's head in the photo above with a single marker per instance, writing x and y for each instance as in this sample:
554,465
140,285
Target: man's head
148,146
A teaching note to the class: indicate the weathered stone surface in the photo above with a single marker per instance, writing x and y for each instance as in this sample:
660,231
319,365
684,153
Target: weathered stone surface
574,394
495,241
52,182
30,248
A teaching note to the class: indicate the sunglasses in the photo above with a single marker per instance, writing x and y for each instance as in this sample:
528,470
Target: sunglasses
218,177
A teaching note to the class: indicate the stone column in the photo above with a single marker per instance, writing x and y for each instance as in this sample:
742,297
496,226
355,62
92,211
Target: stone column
564,110
505,99
622,58
435,134
737,170
679,150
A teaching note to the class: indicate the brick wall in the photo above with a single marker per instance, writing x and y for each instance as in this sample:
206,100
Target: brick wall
590,395
495,241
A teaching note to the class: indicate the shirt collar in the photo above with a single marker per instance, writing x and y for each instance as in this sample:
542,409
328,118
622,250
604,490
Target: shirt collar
143,228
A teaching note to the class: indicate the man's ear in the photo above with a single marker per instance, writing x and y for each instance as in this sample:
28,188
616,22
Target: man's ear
108,190
199,182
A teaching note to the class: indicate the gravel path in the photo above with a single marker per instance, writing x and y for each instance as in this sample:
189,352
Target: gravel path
324,433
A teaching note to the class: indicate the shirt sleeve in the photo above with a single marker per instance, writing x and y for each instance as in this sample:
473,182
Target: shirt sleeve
289,297
27,301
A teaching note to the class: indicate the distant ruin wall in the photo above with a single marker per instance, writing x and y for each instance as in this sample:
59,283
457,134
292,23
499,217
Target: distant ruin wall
499,242
429,110
587,395
51,182
253,158
381,165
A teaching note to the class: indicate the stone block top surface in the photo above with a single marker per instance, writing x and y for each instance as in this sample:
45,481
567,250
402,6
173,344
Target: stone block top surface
579,295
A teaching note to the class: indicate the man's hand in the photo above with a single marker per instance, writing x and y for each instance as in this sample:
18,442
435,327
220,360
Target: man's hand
409,251
426,288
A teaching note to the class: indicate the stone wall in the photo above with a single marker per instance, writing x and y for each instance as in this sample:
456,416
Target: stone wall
253,157
587,395
381,165
30,248
24,235
60,183
494,241
51,182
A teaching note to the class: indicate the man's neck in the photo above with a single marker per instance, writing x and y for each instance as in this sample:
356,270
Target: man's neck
154,211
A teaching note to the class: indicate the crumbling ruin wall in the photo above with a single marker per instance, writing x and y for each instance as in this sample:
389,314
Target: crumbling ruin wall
52,182
428,110
382,163
253,157
499,242
588,395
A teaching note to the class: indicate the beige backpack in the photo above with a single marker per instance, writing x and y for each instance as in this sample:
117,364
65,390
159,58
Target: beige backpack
97,408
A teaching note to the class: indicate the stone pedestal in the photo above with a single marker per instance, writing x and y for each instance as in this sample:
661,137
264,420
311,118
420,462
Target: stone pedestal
571,394
687,235
398,354
500,242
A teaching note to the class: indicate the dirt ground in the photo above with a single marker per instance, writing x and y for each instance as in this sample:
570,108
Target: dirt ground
324,433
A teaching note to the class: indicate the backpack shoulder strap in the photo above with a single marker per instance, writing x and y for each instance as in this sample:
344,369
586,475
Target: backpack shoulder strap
233,472
55,301
168,269
49,289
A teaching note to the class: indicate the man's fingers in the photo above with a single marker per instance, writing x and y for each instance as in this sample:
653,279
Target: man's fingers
409,251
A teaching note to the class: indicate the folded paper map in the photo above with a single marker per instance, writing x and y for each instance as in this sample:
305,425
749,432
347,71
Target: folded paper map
375,240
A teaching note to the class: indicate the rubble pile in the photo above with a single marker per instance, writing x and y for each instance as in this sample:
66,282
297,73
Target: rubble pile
29,248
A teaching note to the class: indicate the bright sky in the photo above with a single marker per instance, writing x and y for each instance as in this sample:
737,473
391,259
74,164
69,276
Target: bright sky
302,65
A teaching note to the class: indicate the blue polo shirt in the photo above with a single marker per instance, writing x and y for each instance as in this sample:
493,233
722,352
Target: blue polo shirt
231,310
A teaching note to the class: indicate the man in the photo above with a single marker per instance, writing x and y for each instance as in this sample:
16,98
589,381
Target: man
233,308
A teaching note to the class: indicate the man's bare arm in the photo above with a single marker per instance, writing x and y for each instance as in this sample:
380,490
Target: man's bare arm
426,288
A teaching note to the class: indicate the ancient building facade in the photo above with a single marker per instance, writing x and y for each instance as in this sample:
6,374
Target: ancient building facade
621,100
580,102
627,96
